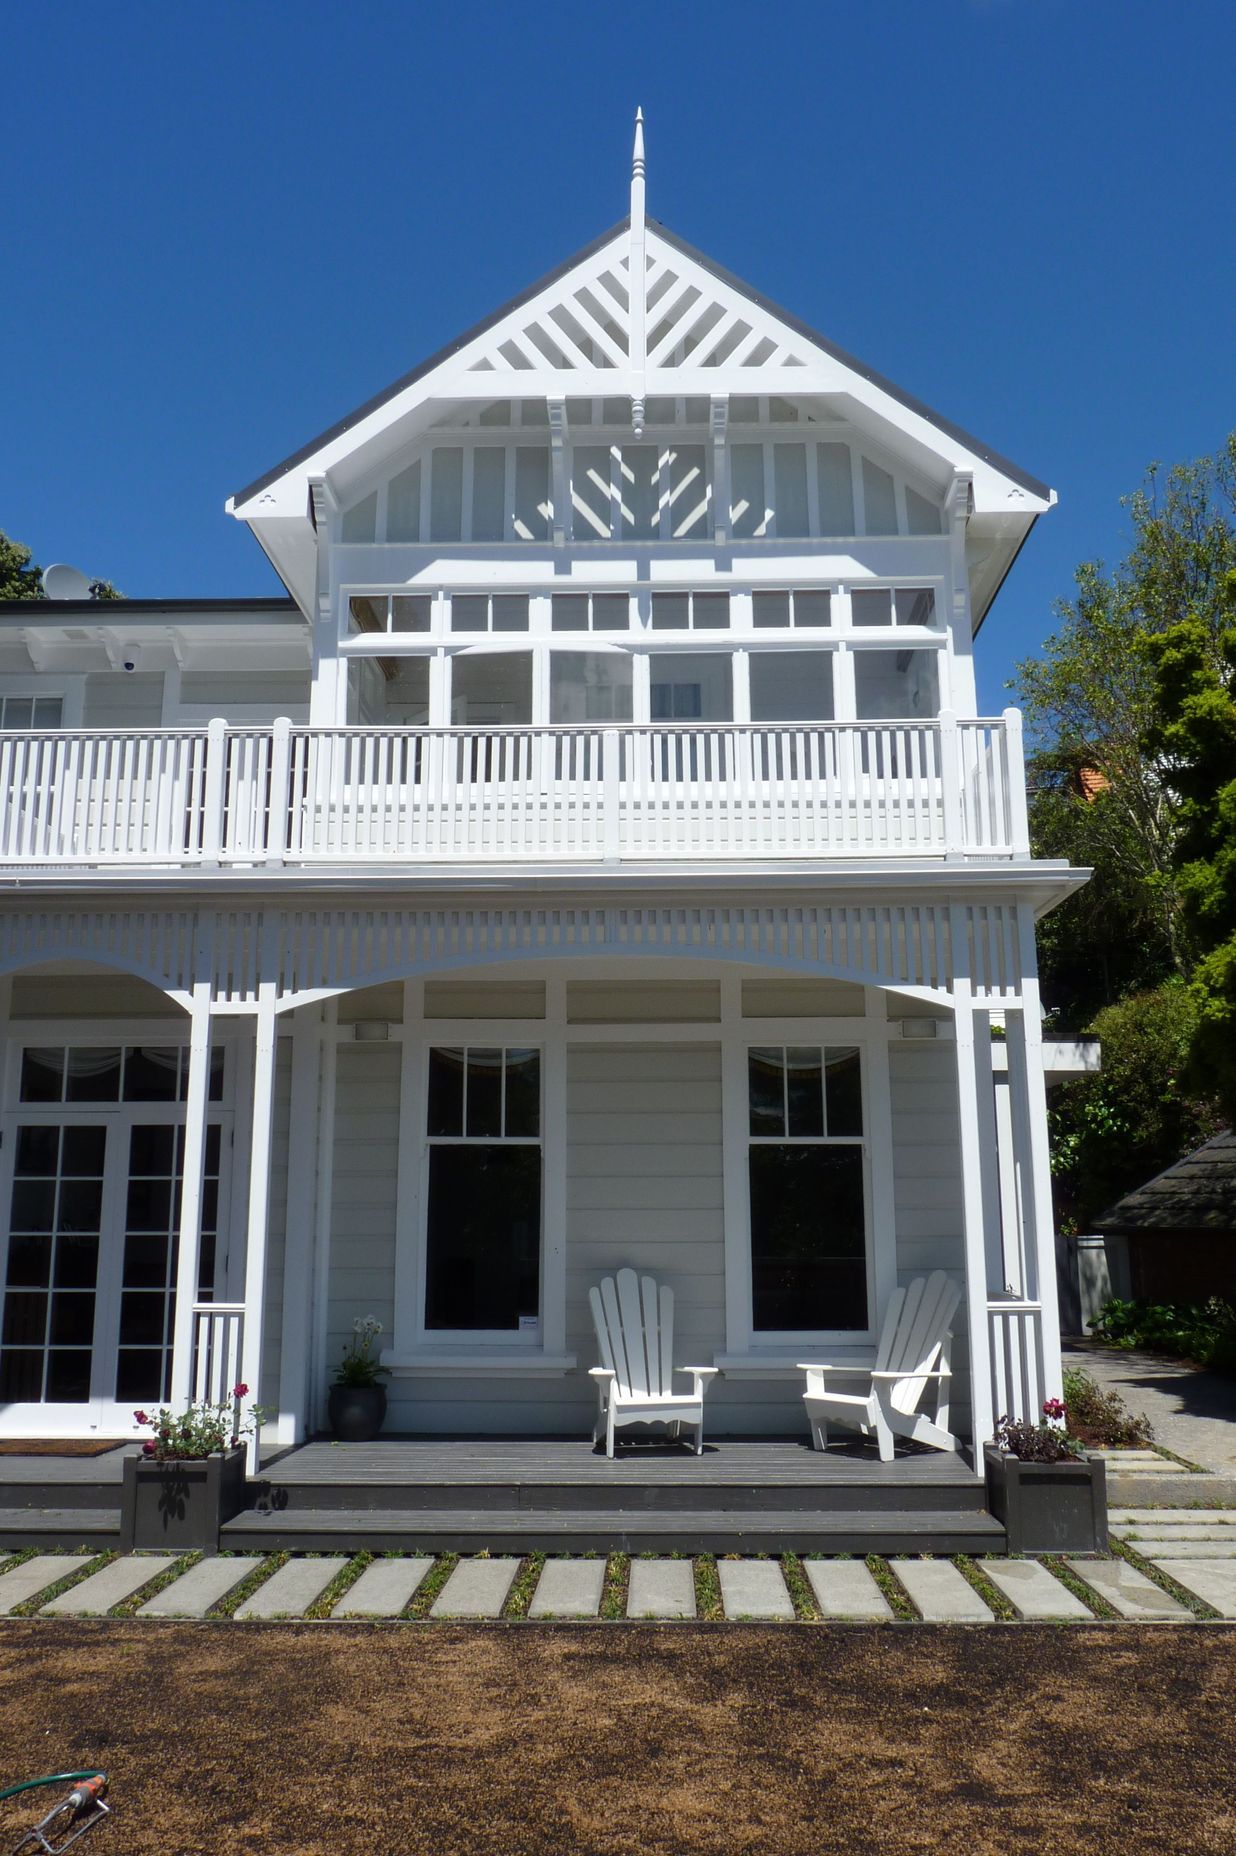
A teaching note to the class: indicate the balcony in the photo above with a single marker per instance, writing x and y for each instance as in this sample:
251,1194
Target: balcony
292,796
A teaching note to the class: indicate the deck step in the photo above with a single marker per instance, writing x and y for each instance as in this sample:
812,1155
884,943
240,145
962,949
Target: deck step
578,1495
59,1528
594,1530
16,1496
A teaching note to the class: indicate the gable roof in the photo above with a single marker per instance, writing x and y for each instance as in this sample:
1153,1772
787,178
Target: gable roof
1197,1194
732,282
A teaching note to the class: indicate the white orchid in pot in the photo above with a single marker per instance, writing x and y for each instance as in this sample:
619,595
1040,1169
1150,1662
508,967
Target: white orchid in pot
357,1399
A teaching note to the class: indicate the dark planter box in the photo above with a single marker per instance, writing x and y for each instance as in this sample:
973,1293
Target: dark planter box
180,1506
356,1412
1048,1507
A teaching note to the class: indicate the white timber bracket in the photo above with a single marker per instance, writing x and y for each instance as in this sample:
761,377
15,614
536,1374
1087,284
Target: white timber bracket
719,419
958,505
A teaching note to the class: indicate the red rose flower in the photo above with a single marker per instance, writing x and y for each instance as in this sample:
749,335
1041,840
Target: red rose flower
141,1417
241,1391
148,1448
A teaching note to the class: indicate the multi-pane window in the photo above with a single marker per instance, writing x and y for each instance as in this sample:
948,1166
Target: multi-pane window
134,1073
55,1222
810,608
31,712
489,612
590,612
886,605
483,1230
148,1271
396,612
696,612
806,1171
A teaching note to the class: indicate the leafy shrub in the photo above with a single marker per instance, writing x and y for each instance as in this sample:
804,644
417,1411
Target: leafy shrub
1204,1332
1044,1442
1102,1419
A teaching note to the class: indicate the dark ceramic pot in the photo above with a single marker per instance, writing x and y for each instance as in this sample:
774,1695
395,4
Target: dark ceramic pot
180,1506
356,1412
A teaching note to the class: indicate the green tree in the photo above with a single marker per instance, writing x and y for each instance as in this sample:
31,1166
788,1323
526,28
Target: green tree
1193,738
19,577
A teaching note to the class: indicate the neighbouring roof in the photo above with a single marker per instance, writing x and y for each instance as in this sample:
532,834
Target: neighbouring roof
103,609
1197,1194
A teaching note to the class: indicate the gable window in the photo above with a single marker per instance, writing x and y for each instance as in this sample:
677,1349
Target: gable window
806,1167
31,712
483,1230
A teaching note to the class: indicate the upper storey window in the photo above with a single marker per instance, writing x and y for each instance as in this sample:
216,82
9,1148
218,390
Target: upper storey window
401,612
31,712
590,612
801,611
695,612
485,612
884,605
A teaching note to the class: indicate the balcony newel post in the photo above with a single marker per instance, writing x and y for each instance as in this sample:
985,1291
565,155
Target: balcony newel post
280,782
951,781
611,794
1015,772
214,789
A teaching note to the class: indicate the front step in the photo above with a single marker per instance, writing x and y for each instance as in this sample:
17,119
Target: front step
52,1528
594,1530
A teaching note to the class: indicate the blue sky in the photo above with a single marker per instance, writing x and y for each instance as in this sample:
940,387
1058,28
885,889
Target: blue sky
228,225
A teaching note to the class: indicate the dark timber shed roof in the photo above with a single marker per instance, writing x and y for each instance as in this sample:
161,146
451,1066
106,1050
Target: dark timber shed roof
1197,1194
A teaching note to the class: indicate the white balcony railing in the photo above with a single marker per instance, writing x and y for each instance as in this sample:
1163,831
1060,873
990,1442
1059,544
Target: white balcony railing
299,795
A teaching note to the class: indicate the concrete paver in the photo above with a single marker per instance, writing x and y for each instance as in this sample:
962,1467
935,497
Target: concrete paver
192,1595
476,1589
1032,1591
1126,1590
1213,1549
569,1589
111,1586
34,1575
383,1589
846,1589
289,1592
1172,1517
754,1589
1193,1413
941,1593
661,1589
1213,1580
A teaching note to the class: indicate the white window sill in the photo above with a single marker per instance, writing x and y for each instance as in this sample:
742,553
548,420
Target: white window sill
766,1365
478,1363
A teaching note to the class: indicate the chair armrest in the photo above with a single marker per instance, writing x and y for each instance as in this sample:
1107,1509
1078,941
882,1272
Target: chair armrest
916,1372
601,1372
699,1372
810,1366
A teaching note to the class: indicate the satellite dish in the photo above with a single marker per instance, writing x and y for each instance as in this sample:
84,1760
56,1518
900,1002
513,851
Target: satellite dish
63,582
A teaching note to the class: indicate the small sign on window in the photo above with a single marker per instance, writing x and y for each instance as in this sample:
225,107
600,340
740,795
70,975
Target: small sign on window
528,1324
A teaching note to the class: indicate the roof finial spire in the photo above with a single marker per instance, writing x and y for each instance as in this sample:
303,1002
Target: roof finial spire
637,277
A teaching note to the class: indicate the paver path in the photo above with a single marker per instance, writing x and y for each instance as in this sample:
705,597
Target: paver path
1034,1592
383,1589
754,1589
846,1589
569,1589
289,1592
1193,1413
1126,1590
661,1589
110,1586
192,1595
476,1589
35,1575
1213,1580
940,1592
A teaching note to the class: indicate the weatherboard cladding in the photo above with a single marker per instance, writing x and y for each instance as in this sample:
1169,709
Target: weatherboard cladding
916,406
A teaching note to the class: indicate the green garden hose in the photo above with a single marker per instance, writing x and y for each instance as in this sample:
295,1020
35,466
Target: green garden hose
53,1778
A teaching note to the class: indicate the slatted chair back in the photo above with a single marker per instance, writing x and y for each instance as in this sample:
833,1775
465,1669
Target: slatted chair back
634,1319
915,1335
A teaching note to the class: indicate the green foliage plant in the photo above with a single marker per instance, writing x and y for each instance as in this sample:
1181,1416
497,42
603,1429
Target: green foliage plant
200,1430
359,1365
1203,1332
1102,1419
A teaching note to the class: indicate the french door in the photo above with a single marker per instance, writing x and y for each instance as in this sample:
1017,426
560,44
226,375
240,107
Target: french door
92,1192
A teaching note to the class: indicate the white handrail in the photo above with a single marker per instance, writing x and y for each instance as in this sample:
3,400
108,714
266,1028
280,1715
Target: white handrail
291,794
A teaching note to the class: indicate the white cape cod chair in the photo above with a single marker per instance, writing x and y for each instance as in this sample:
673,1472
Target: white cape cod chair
913,1349
635,1333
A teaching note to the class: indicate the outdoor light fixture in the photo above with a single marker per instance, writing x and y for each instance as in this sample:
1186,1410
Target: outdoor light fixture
371,1031
920,1028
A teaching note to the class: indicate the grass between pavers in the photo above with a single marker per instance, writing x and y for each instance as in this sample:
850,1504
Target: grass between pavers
1093,1601
709,1605
34,1604
1183,1461
799,1587
429,1587
1198,1606
523,1587
614,1591
346,1577
900,1603
991,1595
128,1607
11,1561
230,1603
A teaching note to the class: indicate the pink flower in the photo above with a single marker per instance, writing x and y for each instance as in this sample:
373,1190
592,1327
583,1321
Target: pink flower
141,1417
241,1391
148,1448
1053,1408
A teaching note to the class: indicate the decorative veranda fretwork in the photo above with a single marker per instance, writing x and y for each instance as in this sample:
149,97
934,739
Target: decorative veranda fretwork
311,953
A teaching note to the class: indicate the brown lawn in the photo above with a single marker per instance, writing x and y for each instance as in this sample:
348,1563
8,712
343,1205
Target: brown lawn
613,1741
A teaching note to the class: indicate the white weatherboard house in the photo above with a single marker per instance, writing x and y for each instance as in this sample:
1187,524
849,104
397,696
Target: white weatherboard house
596,860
